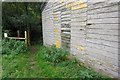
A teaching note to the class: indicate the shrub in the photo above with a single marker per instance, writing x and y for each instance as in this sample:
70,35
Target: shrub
10,46
54,54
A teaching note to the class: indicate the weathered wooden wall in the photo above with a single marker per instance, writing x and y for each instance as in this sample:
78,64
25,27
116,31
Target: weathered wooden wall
47,21
102,36
89,30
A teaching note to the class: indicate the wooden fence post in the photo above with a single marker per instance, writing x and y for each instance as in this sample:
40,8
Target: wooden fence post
5,35
26,37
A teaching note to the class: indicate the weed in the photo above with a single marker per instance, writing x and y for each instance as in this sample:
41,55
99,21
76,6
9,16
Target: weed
54,54
13,46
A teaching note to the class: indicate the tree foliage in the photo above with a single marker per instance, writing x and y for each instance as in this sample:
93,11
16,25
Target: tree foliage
22,15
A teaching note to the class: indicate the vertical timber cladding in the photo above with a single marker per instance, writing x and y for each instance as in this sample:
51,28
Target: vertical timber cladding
47,21
102,36
88,29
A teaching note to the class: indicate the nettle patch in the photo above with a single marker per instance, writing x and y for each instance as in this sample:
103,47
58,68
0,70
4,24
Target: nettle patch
54,54
10,46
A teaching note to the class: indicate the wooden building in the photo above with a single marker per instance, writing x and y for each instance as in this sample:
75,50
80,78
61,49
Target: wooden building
87,28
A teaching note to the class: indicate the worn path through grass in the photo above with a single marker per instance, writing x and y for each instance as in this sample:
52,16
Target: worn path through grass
33,50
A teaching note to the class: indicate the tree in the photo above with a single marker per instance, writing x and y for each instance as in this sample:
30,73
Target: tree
22,16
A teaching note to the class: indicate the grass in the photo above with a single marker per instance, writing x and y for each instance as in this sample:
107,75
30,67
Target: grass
19,66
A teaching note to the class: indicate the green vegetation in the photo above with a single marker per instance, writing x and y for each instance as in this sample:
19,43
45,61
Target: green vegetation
10,46
23,16
15,66
67,68
44,64
54,54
